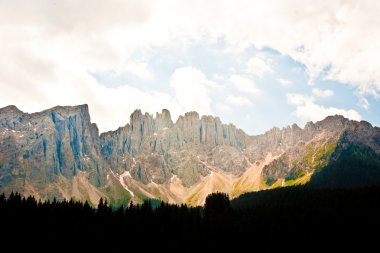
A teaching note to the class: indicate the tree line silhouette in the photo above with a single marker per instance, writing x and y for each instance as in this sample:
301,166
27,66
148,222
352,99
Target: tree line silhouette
293,218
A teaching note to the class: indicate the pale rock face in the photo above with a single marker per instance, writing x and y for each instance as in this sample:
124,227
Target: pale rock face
162,149
41,152
163,120
35,148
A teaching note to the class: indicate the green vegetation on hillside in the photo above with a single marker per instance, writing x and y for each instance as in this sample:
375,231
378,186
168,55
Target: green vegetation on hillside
355,165
270,181
316,157
294,174
298,181
294,169
118,196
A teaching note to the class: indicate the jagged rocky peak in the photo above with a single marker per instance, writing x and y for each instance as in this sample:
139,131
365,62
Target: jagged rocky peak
163,119
10,109
42,147
295,127
332,126
136,117
363,132
189,120
211,131
146,124
137,122
95,129
310,126
365,124
189,128
10,116
332,123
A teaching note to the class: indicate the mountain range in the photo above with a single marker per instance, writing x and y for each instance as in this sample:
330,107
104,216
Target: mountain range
59,153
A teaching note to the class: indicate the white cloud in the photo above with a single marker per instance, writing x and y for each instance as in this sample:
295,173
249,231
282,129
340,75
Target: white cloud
307,109
259,66
340,39
363,102
139,69
323,93
47,49
225,108
244,84
109,107
191,90
284,82
238,100
109,103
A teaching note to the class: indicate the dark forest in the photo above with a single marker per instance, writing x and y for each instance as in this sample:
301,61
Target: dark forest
293,218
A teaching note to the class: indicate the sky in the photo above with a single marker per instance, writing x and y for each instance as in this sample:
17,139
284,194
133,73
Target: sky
256,64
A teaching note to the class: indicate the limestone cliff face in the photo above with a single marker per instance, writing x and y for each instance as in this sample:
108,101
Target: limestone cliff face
155,149
36,148
59,153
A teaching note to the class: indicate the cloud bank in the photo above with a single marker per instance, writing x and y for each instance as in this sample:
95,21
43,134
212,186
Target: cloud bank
308,110
49,50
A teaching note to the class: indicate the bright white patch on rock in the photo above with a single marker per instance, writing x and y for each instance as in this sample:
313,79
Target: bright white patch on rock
121,179
86,158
